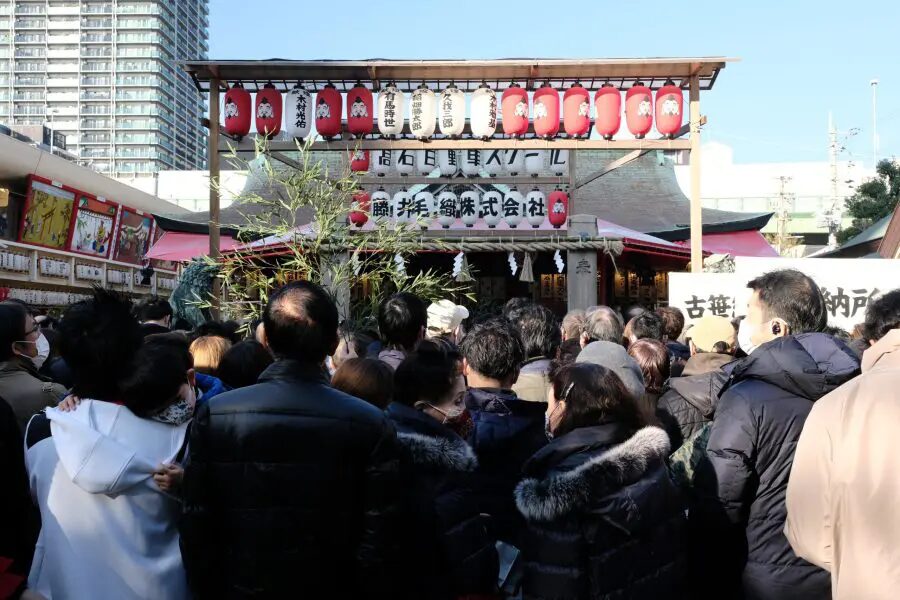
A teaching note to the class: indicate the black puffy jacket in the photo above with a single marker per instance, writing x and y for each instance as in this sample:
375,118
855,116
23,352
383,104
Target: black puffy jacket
291,489
689,401
751,446
448,550
507,432
604,520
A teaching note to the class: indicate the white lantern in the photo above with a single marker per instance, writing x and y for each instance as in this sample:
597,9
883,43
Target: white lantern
534,162
514,161
404,161
422,112
468,207
426,161
471,162
381,206
452,111
559,162
493,161
423,208
390,111
401,205
535,207
448,162
381,161
446,208
483,118
513,208
298,113
490,210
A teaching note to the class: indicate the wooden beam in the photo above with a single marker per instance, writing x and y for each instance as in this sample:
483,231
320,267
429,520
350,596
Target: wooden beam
281,157
214,215
696,206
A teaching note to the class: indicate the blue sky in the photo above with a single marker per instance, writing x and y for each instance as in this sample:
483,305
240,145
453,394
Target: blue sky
799,59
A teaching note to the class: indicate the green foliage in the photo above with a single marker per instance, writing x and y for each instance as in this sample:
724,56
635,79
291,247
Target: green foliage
873,199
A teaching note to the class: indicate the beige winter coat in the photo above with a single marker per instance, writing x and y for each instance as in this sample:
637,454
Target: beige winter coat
843,499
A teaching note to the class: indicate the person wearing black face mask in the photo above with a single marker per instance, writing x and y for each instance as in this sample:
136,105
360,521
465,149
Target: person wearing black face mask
446,535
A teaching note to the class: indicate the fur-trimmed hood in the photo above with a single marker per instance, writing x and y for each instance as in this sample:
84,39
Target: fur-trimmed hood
558,494
438,452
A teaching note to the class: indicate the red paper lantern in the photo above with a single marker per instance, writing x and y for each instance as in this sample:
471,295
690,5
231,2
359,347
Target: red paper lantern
514,109
669,108
546,112
577,111
359,208
639,110
558,201
268,111
328,112
237,111
608,109
359,160
359,111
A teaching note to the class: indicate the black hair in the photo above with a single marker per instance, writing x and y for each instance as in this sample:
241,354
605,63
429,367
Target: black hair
153,308
99,338
647,325
792,296
882,315
838,333
368,379
427,374
159,369
301,322
539,329
223,329
673,321
513,305
401,319
243,363
568,352
593,395
12,328
494,349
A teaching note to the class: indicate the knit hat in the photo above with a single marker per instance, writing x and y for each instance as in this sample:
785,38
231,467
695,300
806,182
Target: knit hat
444,317
710,330
616,359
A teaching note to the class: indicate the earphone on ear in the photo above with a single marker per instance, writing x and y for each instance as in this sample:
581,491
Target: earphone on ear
776,328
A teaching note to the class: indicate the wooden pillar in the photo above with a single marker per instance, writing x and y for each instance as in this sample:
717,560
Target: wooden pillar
214,214
581,265
696,206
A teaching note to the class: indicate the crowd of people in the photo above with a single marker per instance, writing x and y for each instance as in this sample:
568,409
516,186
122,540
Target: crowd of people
444,456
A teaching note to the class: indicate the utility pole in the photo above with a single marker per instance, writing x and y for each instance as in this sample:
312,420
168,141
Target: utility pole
874,84
783,213
832,220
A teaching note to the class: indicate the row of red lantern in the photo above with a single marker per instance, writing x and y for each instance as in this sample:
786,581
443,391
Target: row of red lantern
326,111
469,207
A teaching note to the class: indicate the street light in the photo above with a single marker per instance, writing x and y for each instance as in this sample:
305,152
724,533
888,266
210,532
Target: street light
874,84
52,112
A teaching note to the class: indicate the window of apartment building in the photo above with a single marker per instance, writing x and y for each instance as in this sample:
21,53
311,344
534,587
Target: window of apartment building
148,80
96,8
28,52
95,80
95,138
28,65
89,52
30,80
95,109
95,95
96,123
28,38
95,65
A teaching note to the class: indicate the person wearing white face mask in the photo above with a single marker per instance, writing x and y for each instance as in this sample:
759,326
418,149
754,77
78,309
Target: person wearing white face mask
22,350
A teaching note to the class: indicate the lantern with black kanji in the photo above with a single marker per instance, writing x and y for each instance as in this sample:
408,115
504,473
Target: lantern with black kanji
359,161
298,109
471,162
513,208
447,204
359,207
448,162
268,111
328,112
535,208
514,109
360,116
639,110
423,208
490,210
237,111
558,201
559,162
404,161
422,113
452,111
390,111
577,111
401,206
381,206
669,105
381,162
514,161
492,161
469,202
608,111
426,161
546,112
534,162
483,117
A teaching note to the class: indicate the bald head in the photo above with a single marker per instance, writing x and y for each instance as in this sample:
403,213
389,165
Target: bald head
300,323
